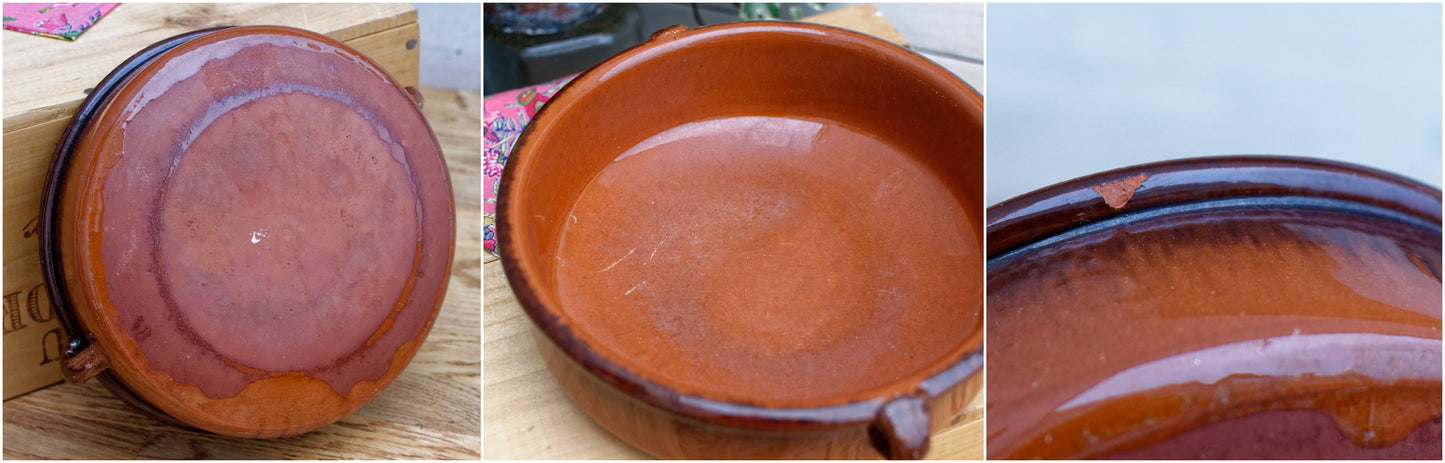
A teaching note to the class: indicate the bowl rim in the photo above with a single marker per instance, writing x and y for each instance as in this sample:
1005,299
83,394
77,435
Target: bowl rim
1034,218
51,268
938,378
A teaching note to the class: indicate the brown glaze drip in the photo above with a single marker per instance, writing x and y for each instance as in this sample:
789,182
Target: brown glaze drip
1117,193
689,258
1120,338
264,213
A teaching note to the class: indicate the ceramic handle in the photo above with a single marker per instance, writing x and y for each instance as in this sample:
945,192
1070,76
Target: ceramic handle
667,34
901,430
82,362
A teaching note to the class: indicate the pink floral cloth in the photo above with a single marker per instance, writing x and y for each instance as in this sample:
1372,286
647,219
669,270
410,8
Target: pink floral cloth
63,21
504,115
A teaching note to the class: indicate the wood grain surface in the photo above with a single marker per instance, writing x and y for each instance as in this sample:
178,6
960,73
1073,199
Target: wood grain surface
860,18
431,411
527,414
32,62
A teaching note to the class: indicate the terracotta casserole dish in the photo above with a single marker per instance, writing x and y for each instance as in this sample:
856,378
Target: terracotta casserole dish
246,231
1217,308
755,240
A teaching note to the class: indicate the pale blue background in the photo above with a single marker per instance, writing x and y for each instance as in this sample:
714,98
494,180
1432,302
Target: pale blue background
1078,89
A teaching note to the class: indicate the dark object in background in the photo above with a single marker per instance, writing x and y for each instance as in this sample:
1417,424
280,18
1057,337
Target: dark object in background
536,42
555,47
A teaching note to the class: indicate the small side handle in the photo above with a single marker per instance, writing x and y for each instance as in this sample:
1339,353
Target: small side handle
416,96
82,360
900,432
667,34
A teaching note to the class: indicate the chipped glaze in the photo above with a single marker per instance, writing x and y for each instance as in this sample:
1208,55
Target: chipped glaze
255,227
1214,313
1117,193
716,263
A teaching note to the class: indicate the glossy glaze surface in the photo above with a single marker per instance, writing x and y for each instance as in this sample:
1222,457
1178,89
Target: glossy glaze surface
257,229
712,267
1179,326
743,252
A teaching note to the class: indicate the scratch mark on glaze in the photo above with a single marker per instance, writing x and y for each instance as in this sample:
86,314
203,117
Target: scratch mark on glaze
654,250
1118,193
883,186
614,264
634,288
257,235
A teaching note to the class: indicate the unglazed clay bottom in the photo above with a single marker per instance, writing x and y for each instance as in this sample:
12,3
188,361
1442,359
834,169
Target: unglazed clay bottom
770,258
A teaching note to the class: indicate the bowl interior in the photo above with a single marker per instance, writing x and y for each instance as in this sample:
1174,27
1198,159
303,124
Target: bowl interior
761,212
1236,307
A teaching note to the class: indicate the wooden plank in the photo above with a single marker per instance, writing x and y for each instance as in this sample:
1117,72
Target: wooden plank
529,416
860,18
955,29
972,73
431,411
42,72
379,31
31,330
388,49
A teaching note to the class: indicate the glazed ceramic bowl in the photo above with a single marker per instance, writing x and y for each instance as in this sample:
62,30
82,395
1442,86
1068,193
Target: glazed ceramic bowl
246,231
1217,308
755,240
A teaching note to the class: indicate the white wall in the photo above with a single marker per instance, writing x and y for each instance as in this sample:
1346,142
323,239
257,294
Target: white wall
1078,89
451,45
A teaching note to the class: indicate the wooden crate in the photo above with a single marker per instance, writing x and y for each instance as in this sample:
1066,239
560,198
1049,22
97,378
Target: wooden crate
46,79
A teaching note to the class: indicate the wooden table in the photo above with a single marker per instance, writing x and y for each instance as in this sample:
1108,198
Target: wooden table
529,416
431,411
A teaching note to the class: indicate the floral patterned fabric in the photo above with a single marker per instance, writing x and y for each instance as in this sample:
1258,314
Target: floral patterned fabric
504,115
63,21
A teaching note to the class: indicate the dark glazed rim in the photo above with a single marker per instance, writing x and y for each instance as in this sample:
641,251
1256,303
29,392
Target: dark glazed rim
50,259
1288,181
747,415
